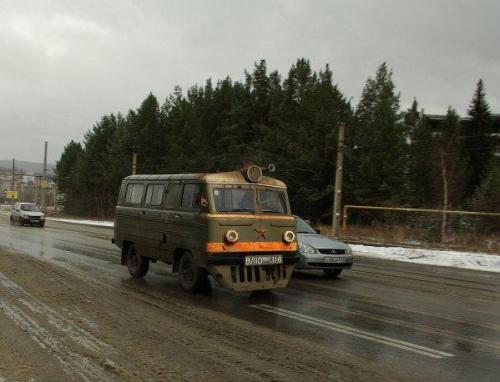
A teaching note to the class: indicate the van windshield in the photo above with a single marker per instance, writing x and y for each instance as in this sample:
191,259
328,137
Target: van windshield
272,201
234,199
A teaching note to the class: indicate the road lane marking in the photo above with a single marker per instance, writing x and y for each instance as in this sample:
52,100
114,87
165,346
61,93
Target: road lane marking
404,345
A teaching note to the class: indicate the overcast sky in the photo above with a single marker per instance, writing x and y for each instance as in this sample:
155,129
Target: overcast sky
63,64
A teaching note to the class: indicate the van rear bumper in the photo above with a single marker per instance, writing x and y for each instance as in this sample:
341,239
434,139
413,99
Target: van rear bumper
239,259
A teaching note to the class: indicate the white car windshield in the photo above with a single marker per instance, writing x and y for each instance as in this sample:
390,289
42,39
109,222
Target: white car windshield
30,207
303,227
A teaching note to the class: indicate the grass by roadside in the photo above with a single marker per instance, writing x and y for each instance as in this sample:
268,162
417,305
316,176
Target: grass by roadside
400,235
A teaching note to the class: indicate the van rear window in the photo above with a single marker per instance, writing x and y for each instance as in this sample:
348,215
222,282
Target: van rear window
134,193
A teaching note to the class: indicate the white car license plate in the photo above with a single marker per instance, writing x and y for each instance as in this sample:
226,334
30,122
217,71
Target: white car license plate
263,260
335,259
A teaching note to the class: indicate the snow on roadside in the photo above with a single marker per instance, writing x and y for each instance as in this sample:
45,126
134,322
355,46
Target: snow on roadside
100,223
467,260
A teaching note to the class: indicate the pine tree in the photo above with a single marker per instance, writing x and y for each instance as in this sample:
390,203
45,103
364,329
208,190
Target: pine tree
450,159
487,197
376,172
478,143
422,170
67,177
451,163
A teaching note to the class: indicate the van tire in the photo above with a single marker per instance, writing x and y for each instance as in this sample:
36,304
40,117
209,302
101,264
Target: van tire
193,279
137,265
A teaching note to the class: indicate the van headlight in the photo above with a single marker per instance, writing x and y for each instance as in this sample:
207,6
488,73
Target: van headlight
306,249
289,237
231,236
348,251
42,217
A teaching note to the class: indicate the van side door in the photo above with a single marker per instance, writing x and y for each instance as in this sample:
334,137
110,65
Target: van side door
150,222
172,234
193,226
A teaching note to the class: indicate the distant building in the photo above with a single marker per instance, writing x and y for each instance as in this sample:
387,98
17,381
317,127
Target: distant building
436,119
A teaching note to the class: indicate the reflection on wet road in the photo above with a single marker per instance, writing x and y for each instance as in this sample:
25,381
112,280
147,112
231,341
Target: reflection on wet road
427,323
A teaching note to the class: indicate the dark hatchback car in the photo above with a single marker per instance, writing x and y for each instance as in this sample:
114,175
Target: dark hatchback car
319,252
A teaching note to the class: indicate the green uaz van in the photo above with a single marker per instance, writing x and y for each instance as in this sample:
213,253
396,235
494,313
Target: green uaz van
234,226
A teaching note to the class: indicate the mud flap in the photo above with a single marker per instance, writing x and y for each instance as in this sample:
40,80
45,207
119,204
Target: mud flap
124,257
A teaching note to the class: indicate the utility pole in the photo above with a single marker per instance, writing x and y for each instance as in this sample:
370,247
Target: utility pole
44,178
134,163
13,184
337,198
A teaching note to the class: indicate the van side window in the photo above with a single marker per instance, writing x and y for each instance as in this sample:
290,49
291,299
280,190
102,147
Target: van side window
154,195
172,198
134,193
191,196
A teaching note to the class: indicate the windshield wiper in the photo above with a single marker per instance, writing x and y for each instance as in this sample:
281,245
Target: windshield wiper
272,211
242,210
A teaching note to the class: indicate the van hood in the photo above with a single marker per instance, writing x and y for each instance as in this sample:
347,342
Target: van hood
320,241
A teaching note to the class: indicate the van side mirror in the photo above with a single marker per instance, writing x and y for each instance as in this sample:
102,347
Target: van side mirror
203,205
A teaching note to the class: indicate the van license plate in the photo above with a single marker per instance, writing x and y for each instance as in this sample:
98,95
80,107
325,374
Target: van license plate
336,259
263,260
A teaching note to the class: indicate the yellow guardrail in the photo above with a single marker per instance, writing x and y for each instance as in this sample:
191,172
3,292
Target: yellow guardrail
425,210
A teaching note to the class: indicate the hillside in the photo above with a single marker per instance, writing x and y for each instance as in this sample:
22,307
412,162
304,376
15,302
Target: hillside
29,167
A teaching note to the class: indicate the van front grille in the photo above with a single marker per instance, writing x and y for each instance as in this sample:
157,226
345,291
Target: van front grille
257,273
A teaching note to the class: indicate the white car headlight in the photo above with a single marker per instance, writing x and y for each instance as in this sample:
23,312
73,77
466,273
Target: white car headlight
42,217
306,249
348,250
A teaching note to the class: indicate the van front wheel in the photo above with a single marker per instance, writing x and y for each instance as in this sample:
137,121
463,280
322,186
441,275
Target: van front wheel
192,278
137,265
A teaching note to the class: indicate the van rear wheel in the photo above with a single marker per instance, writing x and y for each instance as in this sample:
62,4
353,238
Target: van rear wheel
193,279
137,265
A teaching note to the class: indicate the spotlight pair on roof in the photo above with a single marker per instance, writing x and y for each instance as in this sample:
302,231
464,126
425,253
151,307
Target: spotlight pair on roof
253,173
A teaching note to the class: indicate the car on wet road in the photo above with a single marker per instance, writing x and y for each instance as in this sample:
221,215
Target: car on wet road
319,252
27,213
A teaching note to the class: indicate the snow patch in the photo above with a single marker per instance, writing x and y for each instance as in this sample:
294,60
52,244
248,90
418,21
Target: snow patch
99,223
466,260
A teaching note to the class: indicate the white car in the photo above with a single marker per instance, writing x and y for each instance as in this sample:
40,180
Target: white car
321,252
27,213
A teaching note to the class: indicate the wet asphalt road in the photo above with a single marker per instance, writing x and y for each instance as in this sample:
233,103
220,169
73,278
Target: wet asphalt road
427,323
